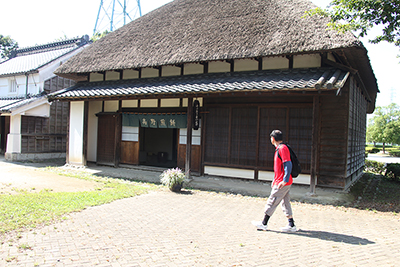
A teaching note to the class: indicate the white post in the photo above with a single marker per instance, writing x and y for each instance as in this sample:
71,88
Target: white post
76,117
14,137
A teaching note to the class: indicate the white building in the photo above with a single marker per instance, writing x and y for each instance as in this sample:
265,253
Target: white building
30,127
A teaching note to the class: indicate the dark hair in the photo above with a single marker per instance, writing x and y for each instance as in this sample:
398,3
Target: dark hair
277,134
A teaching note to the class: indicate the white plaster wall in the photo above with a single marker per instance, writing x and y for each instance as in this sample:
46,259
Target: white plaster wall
112,75
95,77
130,74
75,148
149,72
129,103
218,66
170,102
245,65
148,103
307,61
229,172
111,106
184,102
269,176
21,86
193,68
270,63
40,111
170,71
14,137
3,87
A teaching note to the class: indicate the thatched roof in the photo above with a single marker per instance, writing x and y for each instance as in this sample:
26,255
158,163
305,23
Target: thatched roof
185,31
203,30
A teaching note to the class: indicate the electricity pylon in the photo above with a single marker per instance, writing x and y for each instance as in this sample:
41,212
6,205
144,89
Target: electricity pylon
116,13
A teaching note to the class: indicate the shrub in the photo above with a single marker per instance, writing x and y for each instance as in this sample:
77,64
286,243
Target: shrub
374,167
372,150
393,171
394,152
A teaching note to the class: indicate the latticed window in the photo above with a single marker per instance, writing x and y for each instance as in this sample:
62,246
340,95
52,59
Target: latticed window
217,137
239,136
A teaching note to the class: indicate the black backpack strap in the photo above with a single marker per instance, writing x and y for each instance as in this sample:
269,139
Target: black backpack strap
277,151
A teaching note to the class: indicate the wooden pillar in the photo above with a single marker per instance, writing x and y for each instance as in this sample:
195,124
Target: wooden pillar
315,143
85,131
188,158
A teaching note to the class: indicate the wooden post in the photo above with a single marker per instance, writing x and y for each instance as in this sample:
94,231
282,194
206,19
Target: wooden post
314,149
188,159
85,131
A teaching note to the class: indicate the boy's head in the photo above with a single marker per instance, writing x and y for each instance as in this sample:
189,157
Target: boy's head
277,135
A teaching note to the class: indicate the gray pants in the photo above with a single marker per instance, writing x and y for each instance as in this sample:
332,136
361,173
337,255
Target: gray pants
278,195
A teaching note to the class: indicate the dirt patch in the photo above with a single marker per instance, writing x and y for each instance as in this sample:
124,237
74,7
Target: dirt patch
14,177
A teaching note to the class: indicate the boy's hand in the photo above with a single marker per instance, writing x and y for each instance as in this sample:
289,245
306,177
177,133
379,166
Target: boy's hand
281,184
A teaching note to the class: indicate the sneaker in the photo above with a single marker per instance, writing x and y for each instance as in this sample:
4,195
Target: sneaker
288,228
259,225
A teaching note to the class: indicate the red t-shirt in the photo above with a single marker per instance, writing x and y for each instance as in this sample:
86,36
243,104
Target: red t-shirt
278,164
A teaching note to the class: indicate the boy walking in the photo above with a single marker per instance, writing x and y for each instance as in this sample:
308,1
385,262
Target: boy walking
280,185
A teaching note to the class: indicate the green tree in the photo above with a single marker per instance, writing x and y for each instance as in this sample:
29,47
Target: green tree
362,15
384,127
7,45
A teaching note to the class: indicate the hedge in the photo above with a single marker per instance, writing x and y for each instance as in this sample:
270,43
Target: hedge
390,171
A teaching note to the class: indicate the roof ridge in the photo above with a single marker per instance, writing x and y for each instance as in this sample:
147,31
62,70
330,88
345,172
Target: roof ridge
12,97
22,97
77,41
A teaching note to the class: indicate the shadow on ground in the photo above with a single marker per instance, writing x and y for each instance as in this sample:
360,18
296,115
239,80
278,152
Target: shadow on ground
328,236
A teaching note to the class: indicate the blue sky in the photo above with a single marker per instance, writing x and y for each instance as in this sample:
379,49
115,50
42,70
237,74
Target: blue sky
43,21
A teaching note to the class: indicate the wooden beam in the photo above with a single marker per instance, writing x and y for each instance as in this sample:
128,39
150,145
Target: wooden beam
118,136
290,58
205,66
188,159
260,62
315,144
339,66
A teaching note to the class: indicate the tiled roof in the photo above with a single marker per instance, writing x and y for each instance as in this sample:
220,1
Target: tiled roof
4,102
26,63
32,58
294,79
8,104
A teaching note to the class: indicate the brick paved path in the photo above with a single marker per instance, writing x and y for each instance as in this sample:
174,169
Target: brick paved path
208,229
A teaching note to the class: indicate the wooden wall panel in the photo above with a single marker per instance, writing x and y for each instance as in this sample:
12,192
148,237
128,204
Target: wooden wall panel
130,152
196,157
356,133
4,131
44,135
57,83
333,139
106,139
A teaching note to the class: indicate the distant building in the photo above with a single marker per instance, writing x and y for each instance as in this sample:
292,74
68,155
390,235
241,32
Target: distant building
30,127
200,84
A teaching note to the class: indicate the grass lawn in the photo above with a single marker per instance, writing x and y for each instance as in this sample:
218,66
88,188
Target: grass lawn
26,210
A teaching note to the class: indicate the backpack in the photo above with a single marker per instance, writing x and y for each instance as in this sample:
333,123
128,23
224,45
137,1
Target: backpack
296,169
